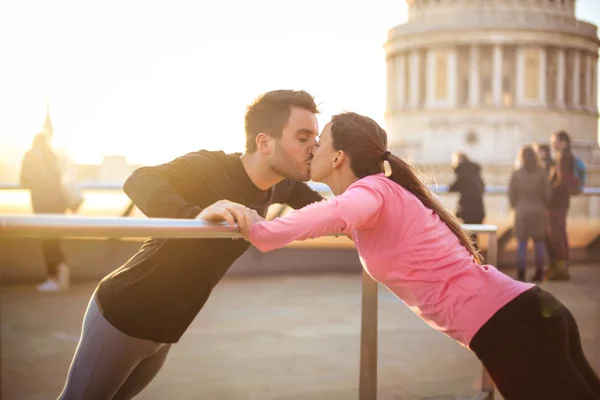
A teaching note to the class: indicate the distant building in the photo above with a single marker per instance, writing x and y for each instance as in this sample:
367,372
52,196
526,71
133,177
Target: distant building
485,77
113,169
87,173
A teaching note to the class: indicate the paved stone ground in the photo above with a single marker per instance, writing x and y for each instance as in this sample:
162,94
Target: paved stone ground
286,337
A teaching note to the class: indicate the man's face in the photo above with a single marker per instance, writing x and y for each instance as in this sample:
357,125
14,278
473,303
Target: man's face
557,144
543,154
293,152
321,165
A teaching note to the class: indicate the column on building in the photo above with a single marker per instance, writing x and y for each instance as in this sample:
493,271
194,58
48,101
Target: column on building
560,78
542,75
531,76
588,81
414,74
594,83
497,75
441,76
390,83
451,80
430,78
577,103
400,80
474,76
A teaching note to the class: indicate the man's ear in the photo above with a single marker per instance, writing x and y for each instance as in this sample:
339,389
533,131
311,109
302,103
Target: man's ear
264,143
339,158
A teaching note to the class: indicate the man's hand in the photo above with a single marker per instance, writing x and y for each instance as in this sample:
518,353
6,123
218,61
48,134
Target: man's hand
232,213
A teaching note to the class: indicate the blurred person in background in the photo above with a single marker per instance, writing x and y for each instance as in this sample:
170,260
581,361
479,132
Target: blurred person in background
529,194
544,154
561,181
470,188
40,173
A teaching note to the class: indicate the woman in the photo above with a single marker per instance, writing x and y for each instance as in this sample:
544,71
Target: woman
529,194
40,173
470,188
527,340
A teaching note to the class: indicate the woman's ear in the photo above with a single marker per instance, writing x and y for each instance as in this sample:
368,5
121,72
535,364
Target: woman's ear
338,158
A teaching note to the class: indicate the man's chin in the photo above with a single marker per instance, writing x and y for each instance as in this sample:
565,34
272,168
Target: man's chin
300,175
305,178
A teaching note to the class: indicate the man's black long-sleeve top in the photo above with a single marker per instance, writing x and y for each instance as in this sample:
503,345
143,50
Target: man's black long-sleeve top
158,292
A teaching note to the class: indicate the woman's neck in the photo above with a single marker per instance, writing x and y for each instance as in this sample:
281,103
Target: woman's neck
338,182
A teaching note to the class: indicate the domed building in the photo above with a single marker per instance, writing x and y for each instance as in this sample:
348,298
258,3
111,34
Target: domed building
485,77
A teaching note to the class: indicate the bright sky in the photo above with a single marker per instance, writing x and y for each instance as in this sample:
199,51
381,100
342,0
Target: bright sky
153,80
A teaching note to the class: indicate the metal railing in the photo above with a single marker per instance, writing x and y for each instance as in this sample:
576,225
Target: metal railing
319,187
120,227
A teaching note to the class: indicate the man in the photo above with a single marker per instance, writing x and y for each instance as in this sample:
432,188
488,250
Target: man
544,154
146,305
561,181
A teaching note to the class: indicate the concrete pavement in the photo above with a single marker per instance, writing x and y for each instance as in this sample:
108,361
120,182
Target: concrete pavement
285,337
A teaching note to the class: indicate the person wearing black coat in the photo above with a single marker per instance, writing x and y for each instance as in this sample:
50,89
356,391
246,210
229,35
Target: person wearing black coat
40,173
470,187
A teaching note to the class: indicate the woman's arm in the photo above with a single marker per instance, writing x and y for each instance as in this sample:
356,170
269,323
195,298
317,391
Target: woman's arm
356,208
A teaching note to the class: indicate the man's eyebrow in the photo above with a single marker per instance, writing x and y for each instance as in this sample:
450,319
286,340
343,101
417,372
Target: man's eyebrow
305,131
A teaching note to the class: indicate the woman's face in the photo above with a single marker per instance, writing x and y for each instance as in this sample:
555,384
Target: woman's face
321,165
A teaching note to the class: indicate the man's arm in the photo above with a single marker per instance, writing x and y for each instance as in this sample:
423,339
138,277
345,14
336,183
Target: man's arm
300,195
161,191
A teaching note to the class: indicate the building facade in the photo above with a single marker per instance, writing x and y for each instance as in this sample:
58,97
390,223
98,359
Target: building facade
486,76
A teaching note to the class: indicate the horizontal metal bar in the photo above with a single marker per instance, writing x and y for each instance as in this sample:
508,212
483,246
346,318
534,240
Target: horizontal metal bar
319,187
113,227
57,225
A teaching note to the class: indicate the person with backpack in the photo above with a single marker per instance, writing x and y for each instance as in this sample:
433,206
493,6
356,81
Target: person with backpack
567,177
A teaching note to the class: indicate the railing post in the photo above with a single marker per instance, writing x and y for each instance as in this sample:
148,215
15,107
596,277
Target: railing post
367,386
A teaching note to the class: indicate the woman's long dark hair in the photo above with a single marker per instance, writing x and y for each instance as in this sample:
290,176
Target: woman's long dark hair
365,142
528,159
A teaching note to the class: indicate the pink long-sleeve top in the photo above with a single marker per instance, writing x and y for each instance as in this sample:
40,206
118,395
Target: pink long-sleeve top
407,248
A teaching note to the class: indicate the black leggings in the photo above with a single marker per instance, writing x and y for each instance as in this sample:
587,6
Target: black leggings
532,350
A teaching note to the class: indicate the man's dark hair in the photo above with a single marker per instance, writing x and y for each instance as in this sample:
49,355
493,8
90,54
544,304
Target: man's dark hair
542,147
270,112
564,136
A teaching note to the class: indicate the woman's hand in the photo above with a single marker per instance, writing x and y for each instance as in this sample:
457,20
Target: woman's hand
254,217
232,213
